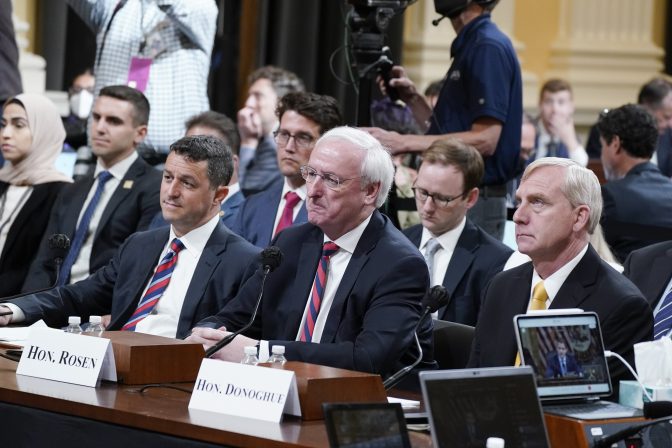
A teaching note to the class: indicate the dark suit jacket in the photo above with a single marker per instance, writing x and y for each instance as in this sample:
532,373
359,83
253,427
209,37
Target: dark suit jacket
116,288
263,169
229,209
129,210
650,269
24,236
553,369
256,215
642,197
664,152
477,258
593,285
371,320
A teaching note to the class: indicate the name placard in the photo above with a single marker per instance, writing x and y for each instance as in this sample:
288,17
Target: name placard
245,391
71,358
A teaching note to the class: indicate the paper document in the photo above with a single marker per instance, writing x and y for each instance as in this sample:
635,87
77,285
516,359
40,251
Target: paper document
18,335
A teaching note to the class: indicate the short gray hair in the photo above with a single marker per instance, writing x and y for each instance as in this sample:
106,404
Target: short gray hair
377,166
581,186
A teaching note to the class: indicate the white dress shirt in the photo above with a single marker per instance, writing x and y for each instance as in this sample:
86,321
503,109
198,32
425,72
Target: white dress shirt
447,242
579,155
338,263
554,282
80,269
163,320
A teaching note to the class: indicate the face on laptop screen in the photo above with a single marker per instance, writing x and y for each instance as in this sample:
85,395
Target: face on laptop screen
466,410
565,353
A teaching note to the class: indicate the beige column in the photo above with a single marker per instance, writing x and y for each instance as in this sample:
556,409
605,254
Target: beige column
31,66
605,48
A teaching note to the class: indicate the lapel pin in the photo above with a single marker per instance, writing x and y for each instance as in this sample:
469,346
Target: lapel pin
128,184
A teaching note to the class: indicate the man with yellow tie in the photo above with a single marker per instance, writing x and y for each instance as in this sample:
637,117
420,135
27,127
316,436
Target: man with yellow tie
559,205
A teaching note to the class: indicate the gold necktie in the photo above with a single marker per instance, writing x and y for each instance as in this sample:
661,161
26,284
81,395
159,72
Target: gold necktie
539,297
538,302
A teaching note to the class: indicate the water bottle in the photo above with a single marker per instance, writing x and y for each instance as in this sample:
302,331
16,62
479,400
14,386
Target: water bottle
73,325
250,356
494,442
95,327
278,356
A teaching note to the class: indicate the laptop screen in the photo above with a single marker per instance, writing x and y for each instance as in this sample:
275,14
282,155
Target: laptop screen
566,353
365,425
466,407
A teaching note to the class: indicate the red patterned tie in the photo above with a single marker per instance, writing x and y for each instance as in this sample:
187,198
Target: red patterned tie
287,218
317,293
157,286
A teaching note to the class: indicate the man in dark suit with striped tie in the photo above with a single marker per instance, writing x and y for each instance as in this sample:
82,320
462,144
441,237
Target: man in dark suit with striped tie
166,280
349,289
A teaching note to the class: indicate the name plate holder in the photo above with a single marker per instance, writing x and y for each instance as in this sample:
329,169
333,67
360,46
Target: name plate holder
69,358
245,391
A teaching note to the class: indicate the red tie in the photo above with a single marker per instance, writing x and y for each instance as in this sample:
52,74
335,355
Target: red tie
328,249
287,218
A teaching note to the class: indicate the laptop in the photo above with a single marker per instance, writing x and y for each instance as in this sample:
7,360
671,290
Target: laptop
365,425
566,353
466,407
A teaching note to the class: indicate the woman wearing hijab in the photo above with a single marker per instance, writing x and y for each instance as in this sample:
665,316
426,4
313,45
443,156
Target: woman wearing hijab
31,138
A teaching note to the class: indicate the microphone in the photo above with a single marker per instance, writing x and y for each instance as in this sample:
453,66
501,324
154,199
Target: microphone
657,409
59,245
608,441
436,22
435,298
271,257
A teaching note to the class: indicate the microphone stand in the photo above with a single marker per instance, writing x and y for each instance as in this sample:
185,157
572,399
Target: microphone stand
58,262
228,338
394,379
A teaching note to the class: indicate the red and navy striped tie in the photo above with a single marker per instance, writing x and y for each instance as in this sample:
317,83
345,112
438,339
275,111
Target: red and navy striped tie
156,287
328,249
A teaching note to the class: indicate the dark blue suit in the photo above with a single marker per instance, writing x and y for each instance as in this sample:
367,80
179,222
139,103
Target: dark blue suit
593,285
229,211
257,213
376,306
477,258
641,198
650,269
553,369
116,288
130,209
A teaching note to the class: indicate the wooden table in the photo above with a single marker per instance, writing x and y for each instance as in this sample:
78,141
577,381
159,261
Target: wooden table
35,411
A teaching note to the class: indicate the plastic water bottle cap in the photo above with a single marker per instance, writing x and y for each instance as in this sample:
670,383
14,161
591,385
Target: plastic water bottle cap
278,350
74,320
250,350
494,442
95,320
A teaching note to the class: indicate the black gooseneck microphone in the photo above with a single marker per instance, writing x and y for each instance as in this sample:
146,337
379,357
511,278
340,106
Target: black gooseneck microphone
435,298
59,245
271,257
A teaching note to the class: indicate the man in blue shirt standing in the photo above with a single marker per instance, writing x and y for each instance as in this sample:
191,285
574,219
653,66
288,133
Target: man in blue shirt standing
480,103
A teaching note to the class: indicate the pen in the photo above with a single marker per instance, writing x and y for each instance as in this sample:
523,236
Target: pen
6,313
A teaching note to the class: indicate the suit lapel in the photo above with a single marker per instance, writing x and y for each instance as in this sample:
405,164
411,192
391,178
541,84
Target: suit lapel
136,170
660,273
145,269
463,257
269,209
359,258
580,283
70,213
207,263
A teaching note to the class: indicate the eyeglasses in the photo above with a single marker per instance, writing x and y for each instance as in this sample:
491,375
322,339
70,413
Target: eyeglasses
331,181
440,201
301,140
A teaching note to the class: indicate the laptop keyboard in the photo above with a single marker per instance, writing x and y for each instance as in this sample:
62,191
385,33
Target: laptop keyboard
594,411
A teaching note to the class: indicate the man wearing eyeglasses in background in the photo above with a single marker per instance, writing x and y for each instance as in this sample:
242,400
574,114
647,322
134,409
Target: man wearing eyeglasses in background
349,289
304,117
460,255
